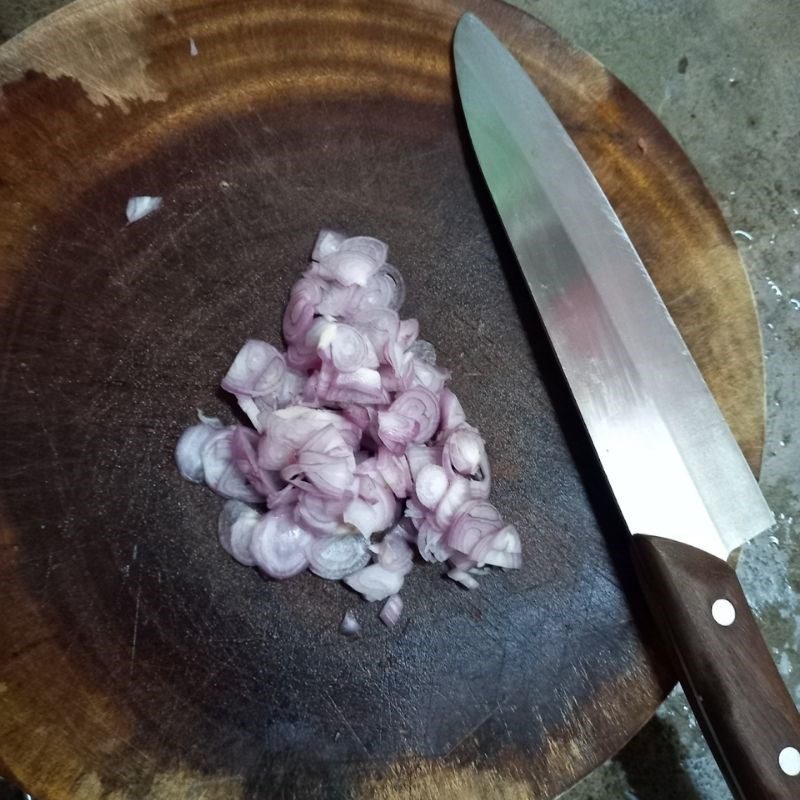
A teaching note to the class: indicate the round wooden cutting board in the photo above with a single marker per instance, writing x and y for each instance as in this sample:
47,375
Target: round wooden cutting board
136,659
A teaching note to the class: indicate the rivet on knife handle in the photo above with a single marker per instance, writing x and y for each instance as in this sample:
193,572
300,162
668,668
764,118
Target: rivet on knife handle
738,697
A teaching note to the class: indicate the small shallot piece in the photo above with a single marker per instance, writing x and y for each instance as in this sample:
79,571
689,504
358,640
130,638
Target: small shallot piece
141,206
350,625
375,582
358,459
464,578
391,611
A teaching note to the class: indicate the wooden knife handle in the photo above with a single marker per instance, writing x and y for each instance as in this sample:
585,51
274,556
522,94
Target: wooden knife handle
738,697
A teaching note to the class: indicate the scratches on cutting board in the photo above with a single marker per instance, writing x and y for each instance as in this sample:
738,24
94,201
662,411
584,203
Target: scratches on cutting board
135,625
343,717
103,52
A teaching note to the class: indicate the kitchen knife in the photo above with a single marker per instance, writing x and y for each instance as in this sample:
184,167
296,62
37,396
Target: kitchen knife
681,483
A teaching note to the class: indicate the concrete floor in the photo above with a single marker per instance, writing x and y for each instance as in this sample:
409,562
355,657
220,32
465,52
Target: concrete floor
722,76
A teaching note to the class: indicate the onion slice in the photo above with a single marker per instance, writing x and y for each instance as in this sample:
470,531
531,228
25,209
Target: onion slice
350,626
141,206
391,611
464,578
220,472
327,242
422,406
375,582
357,448
395,472
237,523
393,553
431,484
354,261
279,545
188,451
336,557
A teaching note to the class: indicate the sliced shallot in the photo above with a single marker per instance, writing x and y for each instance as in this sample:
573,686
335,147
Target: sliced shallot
358,449
327,242
422,406
279,544
375,582
350,626
354,261
391,611
141,206
237,522
336,557
431,484
219,471
189,450
464,578
393,553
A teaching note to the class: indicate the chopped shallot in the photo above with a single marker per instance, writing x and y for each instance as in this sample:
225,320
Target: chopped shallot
360,454
350,625
139,207
391,611
375,582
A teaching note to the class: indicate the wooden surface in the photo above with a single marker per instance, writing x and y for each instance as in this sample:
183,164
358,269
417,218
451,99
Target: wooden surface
136,659
730,678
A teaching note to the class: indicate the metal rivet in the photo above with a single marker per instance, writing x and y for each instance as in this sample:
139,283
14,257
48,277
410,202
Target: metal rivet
723,612
789,761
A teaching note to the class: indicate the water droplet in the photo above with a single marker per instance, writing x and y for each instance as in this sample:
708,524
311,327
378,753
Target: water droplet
743,235
794,303
782,443
770,326
732,193
774,540
796,212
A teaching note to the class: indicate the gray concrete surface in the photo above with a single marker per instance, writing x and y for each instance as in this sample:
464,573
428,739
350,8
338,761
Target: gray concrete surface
723,77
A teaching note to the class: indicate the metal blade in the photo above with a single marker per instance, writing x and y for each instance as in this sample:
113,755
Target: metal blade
670,458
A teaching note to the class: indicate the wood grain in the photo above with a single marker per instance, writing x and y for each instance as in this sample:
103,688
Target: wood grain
138,660
736,692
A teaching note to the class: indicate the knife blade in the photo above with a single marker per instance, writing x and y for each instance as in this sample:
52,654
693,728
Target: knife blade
680,480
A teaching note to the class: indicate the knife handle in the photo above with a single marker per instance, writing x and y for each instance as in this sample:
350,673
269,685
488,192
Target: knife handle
742,705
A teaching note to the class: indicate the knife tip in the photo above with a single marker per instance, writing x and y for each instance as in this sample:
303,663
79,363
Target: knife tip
467,21
466,28
472,32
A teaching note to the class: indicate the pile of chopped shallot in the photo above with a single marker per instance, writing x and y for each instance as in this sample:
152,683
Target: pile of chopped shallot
359,454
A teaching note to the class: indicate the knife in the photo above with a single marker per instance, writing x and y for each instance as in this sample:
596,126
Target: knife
683,487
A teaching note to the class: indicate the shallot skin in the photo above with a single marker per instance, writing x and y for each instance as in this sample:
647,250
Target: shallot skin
360,461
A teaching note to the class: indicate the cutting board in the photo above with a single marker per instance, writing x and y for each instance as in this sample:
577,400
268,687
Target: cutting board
138,660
